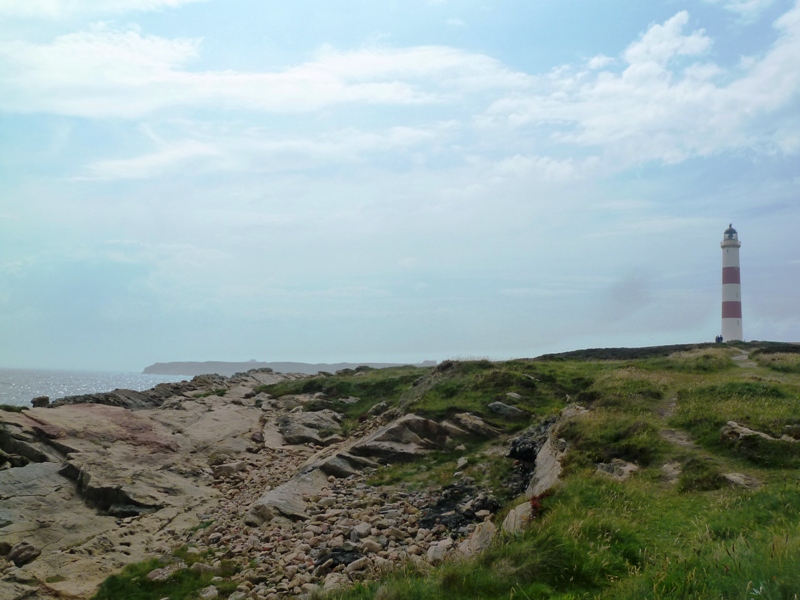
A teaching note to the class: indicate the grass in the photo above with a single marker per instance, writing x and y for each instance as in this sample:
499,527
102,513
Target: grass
780,361
595,538
706,360
600,539
132,583
602,436
762,406
216,392
370,386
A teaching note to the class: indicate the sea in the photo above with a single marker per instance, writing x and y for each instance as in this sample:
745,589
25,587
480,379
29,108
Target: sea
19,386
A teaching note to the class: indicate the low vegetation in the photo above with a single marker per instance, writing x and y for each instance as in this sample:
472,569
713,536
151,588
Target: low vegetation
182,584
679,528
694,535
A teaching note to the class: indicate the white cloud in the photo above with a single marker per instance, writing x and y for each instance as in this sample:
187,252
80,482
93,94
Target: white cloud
746,9
256,150
544,167
164,159
661,43
661,108
106,72
55,9
599,61
455,22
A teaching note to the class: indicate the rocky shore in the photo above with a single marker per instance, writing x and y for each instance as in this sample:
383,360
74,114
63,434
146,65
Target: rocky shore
267,493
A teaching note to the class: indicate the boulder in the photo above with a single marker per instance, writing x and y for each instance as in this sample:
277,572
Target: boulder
742,480
548,467
504,410
209,593
617,469
344,465
40,401
23,553
305,427
405,439
286,500
733,431
527,444
378,409
474,424
548,459
518,518
16,591
438,551
479,540
228,469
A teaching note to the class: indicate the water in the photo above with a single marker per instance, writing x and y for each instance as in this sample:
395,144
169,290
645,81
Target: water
18,386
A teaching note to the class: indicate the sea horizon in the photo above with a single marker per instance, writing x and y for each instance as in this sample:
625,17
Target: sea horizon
18,386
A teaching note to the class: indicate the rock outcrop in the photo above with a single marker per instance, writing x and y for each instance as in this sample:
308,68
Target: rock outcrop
94,483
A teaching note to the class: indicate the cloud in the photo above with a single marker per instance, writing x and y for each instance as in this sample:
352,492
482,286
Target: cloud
661,43
105,72
544,167
748,10
167,158
599,61
668,103
455,22
257,150
56,9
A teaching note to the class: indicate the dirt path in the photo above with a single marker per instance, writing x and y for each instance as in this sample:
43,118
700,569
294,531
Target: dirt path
742,359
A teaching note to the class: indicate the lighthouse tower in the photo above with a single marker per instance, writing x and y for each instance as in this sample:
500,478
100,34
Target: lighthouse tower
731,287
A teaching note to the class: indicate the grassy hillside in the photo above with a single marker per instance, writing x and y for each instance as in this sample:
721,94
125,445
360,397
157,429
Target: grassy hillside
681,527
678,529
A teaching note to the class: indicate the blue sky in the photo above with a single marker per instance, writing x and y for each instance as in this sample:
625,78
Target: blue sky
353,180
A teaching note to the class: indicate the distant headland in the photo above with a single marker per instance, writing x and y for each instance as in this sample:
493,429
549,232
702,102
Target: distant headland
229,368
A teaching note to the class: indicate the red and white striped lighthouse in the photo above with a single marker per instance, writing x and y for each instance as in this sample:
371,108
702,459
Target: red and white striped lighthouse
731,287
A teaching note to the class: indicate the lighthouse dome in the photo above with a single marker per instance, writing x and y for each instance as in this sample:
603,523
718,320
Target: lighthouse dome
730,233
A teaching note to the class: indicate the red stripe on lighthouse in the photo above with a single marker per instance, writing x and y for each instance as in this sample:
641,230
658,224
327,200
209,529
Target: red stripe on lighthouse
731,310
730,275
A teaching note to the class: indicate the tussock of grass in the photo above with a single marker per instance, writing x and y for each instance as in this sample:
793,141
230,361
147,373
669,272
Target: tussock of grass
699,474
603,436
709,360
132,583
763,407
370,386
782,362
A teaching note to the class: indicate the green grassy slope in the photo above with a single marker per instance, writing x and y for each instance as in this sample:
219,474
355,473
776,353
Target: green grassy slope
654,536
677,529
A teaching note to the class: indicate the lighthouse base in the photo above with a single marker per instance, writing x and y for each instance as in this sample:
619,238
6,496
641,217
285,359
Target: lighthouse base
732,330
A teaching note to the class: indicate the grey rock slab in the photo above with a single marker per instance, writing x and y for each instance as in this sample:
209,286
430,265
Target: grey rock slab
617,469
548,468
23,552
344,465
504,410
475,424
742,480
286,500
405,439
479,540
518,518
305,427
16,591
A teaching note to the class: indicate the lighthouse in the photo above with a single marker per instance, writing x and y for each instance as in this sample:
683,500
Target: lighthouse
731,287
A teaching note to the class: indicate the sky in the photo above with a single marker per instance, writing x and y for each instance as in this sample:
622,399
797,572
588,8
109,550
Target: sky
391,181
